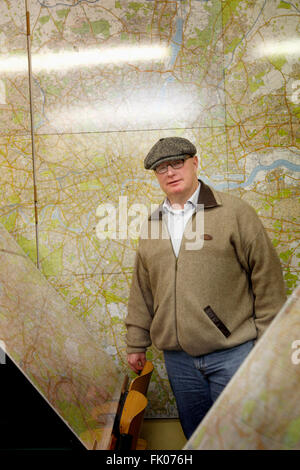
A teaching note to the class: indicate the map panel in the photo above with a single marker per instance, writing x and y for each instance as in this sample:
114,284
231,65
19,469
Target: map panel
77,175
53,348
136,65
261,62
263,165
16,187
262,93
14,92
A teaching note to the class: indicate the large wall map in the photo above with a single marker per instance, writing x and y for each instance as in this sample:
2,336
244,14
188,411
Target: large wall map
111,77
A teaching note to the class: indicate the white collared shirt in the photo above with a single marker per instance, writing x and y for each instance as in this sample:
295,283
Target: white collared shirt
178,218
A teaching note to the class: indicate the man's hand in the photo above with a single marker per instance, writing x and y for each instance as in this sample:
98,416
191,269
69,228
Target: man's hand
136,361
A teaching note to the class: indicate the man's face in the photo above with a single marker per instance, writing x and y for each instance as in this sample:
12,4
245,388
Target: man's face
175,182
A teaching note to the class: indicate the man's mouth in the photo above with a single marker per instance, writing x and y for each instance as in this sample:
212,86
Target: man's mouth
174,182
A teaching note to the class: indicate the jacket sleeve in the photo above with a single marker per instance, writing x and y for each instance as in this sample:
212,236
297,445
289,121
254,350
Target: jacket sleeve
266,280
140,310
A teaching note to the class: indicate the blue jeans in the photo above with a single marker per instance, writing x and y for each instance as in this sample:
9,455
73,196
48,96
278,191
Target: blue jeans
198,381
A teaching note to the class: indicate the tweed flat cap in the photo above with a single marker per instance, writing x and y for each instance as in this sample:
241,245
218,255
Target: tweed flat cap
167,149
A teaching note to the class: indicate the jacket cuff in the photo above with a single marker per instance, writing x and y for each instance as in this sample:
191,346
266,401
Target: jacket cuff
131,350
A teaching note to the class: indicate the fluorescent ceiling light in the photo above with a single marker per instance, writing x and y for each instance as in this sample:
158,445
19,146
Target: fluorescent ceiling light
139,110
64,60
272,48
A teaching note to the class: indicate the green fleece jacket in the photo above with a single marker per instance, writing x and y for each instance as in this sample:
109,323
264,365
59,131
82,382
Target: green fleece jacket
215,297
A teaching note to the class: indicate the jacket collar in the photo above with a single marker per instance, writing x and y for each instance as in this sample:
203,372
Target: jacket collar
206,197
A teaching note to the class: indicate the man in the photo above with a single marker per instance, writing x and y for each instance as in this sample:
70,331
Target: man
203,307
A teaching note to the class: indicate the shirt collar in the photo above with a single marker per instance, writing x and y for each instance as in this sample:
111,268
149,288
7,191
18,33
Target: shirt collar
207,197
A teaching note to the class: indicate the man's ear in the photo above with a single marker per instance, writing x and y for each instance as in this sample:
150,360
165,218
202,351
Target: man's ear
195,161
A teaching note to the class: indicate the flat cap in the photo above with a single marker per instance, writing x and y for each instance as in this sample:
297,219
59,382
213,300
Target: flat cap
167,149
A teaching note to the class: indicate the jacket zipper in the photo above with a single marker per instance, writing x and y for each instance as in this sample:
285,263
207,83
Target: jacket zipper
176,259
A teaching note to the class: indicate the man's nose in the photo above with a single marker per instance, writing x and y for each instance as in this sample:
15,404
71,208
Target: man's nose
170,170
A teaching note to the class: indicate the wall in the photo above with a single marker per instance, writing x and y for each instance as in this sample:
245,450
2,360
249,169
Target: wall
229,81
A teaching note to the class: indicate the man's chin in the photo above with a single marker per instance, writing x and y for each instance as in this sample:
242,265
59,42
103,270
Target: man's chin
173,190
